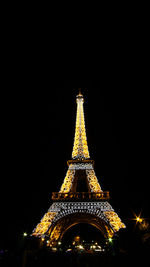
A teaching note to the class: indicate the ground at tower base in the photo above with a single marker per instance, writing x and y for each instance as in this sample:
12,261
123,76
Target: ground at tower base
128,248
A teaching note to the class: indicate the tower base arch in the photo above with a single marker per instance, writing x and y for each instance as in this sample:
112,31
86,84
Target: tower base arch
63,215
58,230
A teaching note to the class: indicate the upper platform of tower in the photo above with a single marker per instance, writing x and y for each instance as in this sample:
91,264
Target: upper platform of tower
80,147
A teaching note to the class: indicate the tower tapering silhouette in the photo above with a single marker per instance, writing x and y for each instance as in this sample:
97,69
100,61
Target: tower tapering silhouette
80,199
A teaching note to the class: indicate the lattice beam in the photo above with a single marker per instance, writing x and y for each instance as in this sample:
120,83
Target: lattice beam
80,148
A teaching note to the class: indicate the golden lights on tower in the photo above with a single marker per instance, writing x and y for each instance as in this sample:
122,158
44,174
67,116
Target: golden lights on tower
114,220
93,182
80,148
67,184
45,223
80,161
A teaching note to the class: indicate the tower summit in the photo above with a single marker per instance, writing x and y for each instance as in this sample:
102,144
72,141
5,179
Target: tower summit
80,148
80,91
81,198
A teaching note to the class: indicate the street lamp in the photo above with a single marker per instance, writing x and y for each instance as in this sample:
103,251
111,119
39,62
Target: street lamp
25,234
138,219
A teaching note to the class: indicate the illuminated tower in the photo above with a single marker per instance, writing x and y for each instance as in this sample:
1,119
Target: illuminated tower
80,199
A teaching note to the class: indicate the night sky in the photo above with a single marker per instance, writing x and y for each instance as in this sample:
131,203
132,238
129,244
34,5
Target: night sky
39,141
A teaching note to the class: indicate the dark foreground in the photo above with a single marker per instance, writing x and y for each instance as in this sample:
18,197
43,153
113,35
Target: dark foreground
44,258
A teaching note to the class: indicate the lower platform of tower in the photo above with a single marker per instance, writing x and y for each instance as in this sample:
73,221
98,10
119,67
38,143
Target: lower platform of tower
61,216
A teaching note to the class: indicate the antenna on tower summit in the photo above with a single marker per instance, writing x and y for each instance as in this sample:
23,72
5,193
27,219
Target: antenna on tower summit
80,91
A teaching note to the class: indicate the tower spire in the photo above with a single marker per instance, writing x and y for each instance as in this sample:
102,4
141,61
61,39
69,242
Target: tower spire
80,148
80,92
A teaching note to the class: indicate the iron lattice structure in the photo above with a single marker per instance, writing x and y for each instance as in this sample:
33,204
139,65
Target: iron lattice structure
80,198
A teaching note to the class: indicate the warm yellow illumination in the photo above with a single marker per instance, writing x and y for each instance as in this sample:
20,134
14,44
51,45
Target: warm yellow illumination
77,239
92,179
114,220
80,148
93,182
56,232
138,219
80,167
67,184
45,223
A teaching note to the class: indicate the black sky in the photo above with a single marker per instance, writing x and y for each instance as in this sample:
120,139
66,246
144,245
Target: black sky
39,142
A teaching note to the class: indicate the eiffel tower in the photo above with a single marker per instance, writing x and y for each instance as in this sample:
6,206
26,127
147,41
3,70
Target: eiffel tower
81,198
